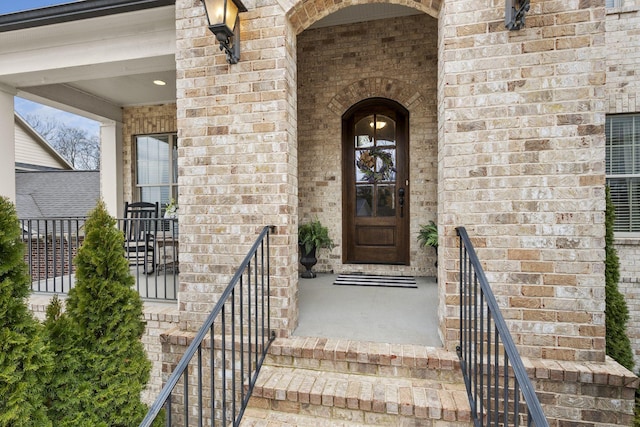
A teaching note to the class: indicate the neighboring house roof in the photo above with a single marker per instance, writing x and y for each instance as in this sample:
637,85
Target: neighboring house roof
33,152
74,11
53,194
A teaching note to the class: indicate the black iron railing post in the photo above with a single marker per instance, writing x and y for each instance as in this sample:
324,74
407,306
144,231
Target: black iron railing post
233,365
483,332
52,244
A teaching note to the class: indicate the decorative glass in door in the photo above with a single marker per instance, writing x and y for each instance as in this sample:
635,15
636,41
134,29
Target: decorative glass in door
375,166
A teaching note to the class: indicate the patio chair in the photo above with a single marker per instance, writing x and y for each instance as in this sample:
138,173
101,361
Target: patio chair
140,227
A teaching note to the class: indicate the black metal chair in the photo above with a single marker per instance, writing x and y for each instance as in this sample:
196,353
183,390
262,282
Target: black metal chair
140,228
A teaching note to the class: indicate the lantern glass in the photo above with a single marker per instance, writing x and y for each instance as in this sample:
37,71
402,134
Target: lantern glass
221,12
231,15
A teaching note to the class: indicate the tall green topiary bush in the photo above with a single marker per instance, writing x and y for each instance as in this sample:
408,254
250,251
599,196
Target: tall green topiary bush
102,365
616,311
25,360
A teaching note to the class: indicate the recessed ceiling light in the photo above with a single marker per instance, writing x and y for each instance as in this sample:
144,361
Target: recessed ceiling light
159,82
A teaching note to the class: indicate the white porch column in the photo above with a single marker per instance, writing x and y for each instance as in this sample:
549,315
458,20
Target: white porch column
111,167
7,145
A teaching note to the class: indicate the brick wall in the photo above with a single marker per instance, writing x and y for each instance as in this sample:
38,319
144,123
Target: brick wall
521,165
520,160
49,257
159,318
142,120
338,67
237,157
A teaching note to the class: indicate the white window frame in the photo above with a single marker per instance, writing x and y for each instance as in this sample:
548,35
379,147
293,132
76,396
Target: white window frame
623,166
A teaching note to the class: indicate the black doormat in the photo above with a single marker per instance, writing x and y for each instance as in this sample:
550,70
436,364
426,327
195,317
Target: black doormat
384,281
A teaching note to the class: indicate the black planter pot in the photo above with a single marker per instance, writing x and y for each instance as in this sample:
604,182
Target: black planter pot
308,260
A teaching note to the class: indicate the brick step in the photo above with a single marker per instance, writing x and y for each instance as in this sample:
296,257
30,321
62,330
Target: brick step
392,360
254,417
358,398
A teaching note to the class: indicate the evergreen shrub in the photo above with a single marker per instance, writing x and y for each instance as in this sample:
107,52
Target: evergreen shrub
25,360
101,364
618,345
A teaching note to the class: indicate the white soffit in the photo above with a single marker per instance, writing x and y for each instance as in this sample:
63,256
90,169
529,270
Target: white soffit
115,45
365,12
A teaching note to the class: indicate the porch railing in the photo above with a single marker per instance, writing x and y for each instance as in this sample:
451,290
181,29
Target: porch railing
52,244
499,389
213,381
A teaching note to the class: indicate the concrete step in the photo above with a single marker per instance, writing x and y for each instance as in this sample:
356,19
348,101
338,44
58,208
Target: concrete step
325,382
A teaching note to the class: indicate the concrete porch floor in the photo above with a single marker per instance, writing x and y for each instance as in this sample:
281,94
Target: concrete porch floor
368,313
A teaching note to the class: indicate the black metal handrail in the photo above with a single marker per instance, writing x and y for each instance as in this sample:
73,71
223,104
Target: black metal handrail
222,385
52,244
499,389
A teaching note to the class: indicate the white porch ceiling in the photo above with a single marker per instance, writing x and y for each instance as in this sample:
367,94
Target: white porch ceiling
365,12
93,67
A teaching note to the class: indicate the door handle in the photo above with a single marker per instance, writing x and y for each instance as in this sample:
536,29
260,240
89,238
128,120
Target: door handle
401,201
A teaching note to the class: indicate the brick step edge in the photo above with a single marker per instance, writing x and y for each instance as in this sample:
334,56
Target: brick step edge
347,356
317,393
255,417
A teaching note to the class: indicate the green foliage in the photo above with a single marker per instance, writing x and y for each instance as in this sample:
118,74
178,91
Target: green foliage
25,360
428,235
101,365
314,234
616,311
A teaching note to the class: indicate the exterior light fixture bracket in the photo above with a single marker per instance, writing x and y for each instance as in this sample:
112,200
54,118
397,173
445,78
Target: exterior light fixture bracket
514,13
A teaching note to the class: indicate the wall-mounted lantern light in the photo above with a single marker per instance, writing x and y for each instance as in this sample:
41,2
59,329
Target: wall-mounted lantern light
514,11
225,24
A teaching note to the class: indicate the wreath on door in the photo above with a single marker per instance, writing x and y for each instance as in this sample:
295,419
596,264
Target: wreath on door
368,161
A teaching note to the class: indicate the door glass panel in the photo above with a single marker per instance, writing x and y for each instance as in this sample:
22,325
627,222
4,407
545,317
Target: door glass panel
385,165
364,132
364,200
386,205
375,166
385,131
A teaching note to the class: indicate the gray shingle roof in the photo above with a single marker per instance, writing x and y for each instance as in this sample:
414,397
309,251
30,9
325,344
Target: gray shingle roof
50,194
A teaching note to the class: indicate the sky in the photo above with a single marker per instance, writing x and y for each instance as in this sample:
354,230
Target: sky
25,107
8,6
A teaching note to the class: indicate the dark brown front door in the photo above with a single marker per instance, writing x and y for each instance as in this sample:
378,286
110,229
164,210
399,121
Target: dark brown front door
375,176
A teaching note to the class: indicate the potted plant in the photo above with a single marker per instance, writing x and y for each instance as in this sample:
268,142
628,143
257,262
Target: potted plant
171,210
312,236
428,236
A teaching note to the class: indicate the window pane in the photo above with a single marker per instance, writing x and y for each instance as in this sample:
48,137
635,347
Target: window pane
386,204
155,194
365,166
152,162
364,200
623,170
386,130
625,196
375,165
364,132
174,161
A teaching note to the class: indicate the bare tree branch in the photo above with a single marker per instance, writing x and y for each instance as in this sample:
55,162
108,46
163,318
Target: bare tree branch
73,143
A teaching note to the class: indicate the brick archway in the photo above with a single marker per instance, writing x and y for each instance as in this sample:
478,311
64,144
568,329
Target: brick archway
304,13
374,87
